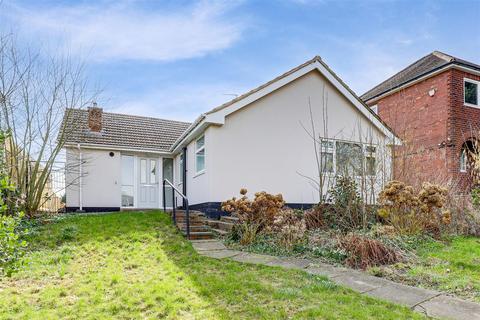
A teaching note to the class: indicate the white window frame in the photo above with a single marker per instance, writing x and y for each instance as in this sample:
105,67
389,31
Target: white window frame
198,150
364,153
375,108
478,93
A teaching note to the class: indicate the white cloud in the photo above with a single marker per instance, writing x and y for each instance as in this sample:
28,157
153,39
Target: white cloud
122,31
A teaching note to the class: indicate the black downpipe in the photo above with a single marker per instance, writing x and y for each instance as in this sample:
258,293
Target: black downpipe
184,175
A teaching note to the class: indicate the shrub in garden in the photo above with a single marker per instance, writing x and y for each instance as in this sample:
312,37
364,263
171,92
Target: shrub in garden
347,211
260,211
410,212
289,227
363,252
12,248
315,217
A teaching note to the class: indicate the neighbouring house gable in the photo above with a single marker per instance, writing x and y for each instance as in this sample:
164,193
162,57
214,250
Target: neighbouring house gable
427,65
124,131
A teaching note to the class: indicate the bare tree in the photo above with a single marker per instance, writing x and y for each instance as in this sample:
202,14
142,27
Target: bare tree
37,93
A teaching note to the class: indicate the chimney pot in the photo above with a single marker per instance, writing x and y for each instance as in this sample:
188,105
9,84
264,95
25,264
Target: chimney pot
95,118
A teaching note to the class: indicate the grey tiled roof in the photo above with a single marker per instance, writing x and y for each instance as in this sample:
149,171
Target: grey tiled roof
126,131
419,68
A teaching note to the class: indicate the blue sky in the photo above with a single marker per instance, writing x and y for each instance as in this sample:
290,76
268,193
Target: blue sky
177,59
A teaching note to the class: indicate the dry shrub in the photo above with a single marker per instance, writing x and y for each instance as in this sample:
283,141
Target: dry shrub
260,211
465,215
315,217
364,252
247,232
289,227
410,212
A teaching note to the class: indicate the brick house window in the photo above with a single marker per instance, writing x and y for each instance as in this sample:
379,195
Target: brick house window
471,92
463,160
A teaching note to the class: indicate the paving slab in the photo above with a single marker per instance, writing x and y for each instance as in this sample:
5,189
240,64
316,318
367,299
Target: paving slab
253,258
290,263
450,308
220,254
402,294
208,245
326,270
359,281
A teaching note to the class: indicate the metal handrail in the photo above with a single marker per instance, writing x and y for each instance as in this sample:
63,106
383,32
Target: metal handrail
185,203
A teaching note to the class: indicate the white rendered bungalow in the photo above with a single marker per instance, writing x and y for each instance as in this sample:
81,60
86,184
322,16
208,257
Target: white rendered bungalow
262,140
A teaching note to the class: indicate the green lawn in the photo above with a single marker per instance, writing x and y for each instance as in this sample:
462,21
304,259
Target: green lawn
453,267
136,265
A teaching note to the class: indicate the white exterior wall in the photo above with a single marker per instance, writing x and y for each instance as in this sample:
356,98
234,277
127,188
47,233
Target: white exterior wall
264,147
101,178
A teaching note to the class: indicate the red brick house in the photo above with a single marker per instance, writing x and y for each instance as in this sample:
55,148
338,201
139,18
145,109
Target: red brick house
433,105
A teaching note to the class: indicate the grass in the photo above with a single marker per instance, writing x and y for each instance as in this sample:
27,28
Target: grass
452,267
136,265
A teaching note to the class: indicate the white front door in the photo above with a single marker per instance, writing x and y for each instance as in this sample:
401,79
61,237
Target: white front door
148,183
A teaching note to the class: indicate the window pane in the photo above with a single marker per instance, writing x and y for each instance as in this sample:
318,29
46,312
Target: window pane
371,164
153,171
327,145
370,149
349,158
127,170
127,196
180,174
471,93
200,142
143,171
200,159
327,162
463,161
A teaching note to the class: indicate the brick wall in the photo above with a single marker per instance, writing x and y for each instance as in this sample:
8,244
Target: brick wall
464,124
433,128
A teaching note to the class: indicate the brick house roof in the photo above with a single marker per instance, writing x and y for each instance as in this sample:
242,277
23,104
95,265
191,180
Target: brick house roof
419,68
124,131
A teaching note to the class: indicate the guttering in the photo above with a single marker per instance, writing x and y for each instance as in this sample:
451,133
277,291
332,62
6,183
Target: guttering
451,65
116,148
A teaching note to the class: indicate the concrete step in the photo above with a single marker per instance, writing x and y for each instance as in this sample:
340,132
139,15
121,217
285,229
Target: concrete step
219,232
198,228
229,219
218,224
200,235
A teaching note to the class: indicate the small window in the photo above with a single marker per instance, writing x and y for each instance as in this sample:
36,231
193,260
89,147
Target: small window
180,168
375,108
327,156
463,160
370,160
471,92
200,154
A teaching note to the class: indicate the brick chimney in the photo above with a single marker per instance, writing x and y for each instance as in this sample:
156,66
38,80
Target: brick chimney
95,118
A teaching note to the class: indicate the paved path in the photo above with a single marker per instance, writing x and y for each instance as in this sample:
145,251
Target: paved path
431,303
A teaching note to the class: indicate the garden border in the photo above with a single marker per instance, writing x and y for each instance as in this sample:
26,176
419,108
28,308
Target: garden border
429,302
